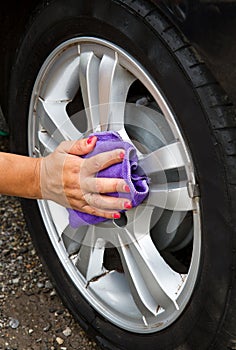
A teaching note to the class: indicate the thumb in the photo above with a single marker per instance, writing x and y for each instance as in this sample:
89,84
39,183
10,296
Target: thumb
79,147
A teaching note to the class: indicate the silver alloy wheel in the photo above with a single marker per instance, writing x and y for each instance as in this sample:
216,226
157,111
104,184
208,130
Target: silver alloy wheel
138,290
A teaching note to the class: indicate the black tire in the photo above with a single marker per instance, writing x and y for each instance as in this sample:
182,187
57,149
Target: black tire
207,121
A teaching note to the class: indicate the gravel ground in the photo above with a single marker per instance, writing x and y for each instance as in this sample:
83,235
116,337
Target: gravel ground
31,314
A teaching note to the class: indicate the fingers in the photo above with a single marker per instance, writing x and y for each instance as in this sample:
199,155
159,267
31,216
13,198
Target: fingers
79,147
99,201
103,160
85,207
107,214
101,213
105,185
96,203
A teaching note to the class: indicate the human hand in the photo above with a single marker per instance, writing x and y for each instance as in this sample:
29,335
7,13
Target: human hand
70,180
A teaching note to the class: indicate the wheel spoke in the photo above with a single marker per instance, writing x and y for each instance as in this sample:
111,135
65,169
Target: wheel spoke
151,123
90,257
72,238
46,143
63,79
114,83
89,78
164,158
55,121
172,196
152,282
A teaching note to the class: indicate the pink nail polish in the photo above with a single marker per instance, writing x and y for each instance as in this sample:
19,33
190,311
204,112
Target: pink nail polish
116,216
128,205
127,189
90,139
122,155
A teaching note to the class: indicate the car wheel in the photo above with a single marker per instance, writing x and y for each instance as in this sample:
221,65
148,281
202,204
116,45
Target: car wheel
163,275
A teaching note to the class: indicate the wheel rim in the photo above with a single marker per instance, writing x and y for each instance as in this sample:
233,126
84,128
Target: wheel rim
139,272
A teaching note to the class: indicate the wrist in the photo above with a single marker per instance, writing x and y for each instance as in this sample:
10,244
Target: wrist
36,190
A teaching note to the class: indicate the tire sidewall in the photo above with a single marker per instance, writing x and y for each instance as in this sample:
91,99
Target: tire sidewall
59,21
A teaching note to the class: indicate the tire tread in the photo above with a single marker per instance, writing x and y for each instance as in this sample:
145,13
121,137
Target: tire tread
220,110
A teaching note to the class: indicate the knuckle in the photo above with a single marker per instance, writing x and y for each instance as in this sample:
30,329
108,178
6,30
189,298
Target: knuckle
99,186
92,211
96,165
112,156
79,146
116,186
76,168
92,165
86,197
95,200
120,203
67,160
62,145
91,199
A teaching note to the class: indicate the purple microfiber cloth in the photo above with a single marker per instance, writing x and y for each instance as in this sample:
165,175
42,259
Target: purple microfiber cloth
128,170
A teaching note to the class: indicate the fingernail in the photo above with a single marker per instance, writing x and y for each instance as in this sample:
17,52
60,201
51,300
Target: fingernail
90,139
127,189
122,155
116,216
128,205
